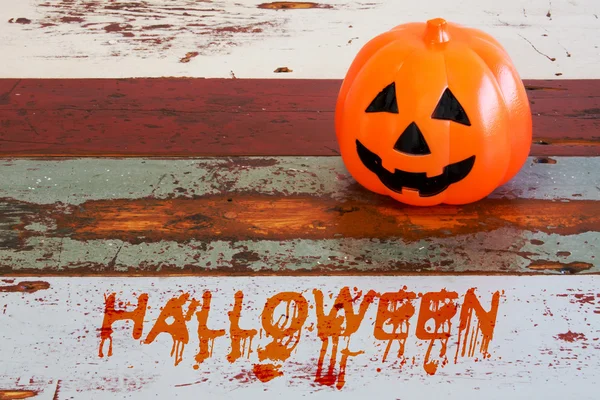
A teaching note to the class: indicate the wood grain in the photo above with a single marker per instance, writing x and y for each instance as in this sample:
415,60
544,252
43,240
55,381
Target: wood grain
292,217
16,394
284,216
236,117
225,38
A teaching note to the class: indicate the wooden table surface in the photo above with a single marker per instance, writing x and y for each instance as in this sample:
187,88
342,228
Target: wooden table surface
176,221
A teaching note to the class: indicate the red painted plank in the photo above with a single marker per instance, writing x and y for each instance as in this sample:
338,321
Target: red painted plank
573,149
560,88
177,94
167,133
209,117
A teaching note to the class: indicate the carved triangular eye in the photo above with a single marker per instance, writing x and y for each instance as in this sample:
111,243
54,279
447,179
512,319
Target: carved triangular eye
449,108
385,101
412,142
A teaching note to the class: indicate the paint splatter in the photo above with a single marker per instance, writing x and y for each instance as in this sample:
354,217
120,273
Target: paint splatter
178,328
583,299
571,336
267,372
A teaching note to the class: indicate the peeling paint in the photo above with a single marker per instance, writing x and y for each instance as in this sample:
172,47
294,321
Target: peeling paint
25,287
499,252
188,56
292,5
153,28
24,21
564,268
16,394
75,181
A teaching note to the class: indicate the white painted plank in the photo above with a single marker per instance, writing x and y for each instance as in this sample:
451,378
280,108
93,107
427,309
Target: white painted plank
105,38
544,344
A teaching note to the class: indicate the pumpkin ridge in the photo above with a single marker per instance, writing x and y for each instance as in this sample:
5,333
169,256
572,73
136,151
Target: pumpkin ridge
444,194
504,102
510,115
497,46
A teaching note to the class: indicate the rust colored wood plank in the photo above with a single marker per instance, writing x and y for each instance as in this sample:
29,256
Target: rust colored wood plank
163,133
581,148
284,235
208,117
301,217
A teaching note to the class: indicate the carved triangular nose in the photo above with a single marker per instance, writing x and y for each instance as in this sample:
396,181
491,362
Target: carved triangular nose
412,142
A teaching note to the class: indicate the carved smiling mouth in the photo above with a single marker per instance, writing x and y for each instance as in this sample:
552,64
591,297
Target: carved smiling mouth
399,179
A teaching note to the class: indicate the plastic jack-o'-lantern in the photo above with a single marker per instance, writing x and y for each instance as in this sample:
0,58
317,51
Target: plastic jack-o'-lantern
433,113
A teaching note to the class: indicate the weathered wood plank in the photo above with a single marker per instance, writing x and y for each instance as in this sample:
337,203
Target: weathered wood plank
195,95
74,181
163,133
217,39
208,117
298,216
241,95
495,336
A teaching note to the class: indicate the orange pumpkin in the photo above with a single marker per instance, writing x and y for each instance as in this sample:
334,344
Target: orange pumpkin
433,113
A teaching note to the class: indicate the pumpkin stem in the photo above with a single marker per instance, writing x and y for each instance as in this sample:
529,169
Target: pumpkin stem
437,31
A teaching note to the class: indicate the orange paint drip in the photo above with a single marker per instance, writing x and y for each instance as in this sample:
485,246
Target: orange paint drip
267,372
330,328
395,310
486,322
239,337
441,308
111,315
287,329
177,329
205,335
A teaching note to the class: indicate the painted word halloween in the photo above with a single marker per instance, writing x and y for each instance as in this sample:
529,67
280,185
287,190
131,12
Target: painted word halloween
395,313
